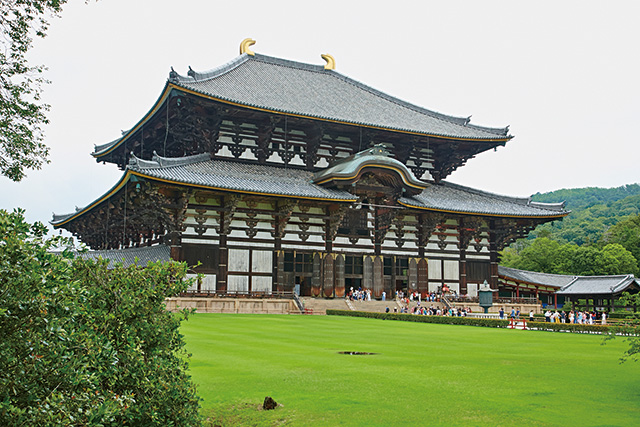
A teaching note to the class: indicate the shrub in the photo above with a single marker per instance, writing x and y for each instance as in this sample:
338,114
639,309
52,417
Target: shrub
84,345
489,323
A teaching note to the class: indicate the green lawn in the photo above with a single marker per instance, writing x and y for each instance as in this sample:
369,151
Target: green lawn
422,374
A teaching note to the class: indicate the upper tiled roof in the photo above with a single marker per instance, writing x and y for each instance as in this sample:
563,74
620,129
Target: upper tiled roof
545,279
290,87
456,198
138,256
590,285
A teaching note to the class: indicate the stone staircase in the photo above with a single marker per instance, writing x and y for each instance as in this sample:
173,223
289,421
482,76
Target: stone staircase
320,305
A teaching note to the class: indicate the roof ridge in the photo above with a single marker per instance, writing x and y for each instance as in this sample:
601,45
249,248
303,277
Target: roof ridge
194,76
158,162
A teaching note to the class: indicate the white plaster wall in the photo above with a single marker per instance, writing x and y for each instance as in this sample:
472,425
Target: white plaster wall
451,270
435,269
239,260
472,289
262,262
238,283
261,284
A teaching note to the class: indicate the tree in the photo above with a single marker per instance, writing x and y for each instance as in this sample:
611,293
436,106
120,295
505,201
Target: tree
538,256
626,233
85,344
628,330
548,256
22,114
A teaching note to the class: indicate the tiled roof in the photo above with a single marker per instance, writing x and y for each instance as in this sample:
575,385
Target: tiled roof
590,285
573,285
138,256
456,198
200,170
307,90
545,279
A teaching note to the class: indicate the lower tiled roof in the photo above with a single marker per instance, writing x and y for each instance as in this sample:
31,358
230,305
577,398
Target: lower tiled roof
200,171
450,197
239,177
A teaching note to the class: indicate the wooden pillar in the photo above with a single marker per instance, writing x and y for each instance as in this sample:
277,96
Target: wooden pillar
279,284
463,272
175,245
221,279
277,278
367,276
317,278
517,290
378,276
337,286
555,300
464,238
493,255
328,275
423,277
229,204
377,233
413,275
328,265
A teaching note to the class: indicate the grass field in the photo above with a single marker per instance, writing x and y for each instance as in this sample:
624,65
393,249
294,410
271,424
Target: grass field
422,374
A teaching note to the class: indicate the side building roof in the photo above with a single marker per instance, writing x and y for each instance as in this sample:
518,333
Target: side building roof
600,285
533,277
573,285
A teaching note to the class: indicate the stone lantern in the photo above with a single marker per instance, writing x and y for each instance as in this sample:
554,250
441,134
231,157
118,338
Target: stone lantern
485,296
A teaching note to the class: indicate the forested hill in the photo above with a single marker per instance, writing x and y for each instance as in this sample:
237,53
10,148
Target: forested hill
601,235
581,198
593,212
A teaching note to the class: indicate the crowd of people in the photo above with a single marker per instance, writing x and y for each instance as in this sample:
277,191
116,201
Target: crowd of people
432,310
580,317
359,294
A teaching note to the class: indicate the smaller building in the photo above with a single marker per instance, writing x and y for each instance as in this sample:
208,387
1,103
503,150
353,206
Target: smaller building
597,292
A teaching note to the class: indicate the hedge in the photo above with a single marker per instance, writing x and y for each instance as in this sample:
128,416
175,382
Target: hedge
474,321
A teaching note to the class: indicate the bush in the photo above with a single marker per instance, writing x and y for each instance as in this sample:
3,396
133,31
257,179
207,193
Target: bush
472,321
447,320
84,345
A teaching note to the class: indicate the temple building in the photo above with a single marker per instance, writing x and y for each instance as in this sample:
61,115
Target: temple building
553,290
269,175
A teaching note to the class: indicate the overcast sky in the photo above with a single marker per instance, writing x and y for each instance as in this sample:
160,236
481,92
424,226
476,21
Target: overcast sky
565,75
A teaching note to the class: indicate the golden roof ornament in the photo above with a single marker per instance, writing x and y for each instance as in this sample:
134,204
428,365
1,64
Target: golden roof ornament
244,46
331,63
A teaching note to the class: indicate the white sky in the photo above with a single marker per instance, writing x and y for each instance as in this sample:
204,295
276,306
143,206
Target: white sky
565,75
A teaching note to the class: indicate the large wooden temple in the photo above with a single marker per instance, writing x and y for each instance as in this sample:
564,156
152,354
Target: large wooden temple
270,174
